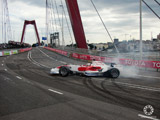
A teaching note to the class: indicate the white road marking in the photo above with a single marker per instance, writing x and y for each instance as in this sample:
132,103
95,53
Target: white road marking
51,57
55,91
2,64
5,69
3,61
19,77
148,117
63,62
35,62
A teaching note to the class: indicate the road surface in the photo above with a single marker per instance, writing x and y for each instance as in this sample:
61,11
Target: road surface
29,92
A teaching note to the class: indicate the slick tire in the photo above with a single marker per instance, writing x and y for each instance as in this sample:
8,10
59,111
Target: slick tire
114,73
64,71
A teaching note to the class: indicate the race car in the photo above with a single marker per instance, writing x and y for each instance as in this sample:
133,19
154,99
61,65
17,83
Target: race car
94,69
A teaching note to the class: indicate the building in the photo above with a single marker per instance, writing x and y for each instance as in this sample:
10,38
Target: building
101,46
158,36
116,41
134,45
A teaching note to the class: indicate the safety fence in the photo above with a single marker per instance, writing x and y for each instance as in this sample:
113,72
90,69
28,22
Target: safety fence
123,61
12,52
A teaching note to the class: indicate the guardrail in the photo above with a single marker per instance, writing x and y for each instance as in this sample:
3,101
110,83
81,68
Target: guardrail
128,62
12,52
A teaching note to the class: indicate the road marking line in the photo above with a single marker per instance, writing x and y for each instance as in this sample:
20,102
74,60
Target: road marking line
2,64
51,57
5,69
3,61
19,77
55,91
35,62
63,62
148,117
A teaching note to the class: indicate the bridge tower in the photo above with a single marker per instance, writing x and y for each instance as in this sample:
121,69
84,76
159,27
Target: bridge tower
26,22
76,22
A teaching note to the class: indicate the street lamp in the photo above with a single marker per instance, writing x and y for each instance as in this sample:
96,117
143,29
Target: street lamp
140,30
63,42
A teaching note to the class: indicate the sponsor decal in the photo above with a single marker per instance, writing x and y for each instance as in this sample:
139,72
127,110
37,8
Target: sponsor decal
15,52
7,53
156,64
1,54
148,110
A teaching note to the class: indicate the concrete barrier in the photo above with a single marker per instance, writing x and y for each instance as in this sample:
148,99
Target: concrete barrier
13,52
1,53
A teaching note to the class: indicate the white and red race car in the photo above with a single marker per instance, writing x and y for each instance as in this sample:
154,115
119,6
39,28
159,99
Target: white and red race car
96,69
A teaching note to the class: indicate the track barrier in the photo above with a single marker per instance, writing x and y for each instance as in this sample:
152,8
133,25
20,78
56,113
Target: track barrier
13,52
122,61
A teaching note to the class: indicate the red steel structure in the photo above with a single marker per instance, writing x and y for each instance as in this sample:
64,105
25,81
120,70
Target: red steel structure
76,22
26,22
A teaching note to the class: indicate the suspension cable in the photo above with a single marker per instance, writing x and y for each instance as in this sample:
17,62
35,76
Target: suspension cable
151,9
9,30
58,19
157,2
67,23
54,16
51,10
57,13
104,25
4,22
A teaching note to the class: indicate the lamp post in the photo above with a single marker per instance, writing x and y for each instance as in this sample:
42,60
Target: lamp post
2,19
140,30
63,42
47,20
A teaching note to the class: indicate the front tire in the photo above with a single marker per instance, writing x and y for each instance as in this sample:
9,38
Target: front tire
64,71
114,73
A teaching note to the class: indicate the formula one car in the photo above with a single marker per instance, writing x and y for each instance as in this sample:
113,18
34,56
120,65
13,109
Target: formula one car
96,69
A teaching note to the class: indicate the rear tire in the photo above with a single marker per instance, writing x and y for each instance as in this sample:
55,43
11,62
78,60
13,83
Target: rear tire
114,73
64,71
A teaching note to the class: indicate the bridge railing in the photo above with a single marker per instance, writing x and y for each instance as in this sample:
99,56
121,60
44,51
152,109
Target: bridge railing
13,52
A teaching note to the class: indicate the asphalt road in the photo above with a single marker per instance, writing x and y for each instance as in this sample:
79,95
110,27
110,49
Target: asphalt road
29,92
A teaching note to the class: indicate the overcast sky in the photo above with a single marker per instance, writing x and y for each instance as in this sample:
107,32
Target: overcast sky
121,17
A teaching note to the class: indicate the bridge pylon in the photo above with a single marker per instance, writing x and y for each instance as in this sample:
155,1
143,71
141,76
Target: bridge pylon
26,22
76,22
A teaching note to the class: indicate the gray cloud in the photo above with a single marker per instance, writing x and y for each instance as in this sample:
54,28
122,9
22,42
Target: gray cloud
40,3
120,16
